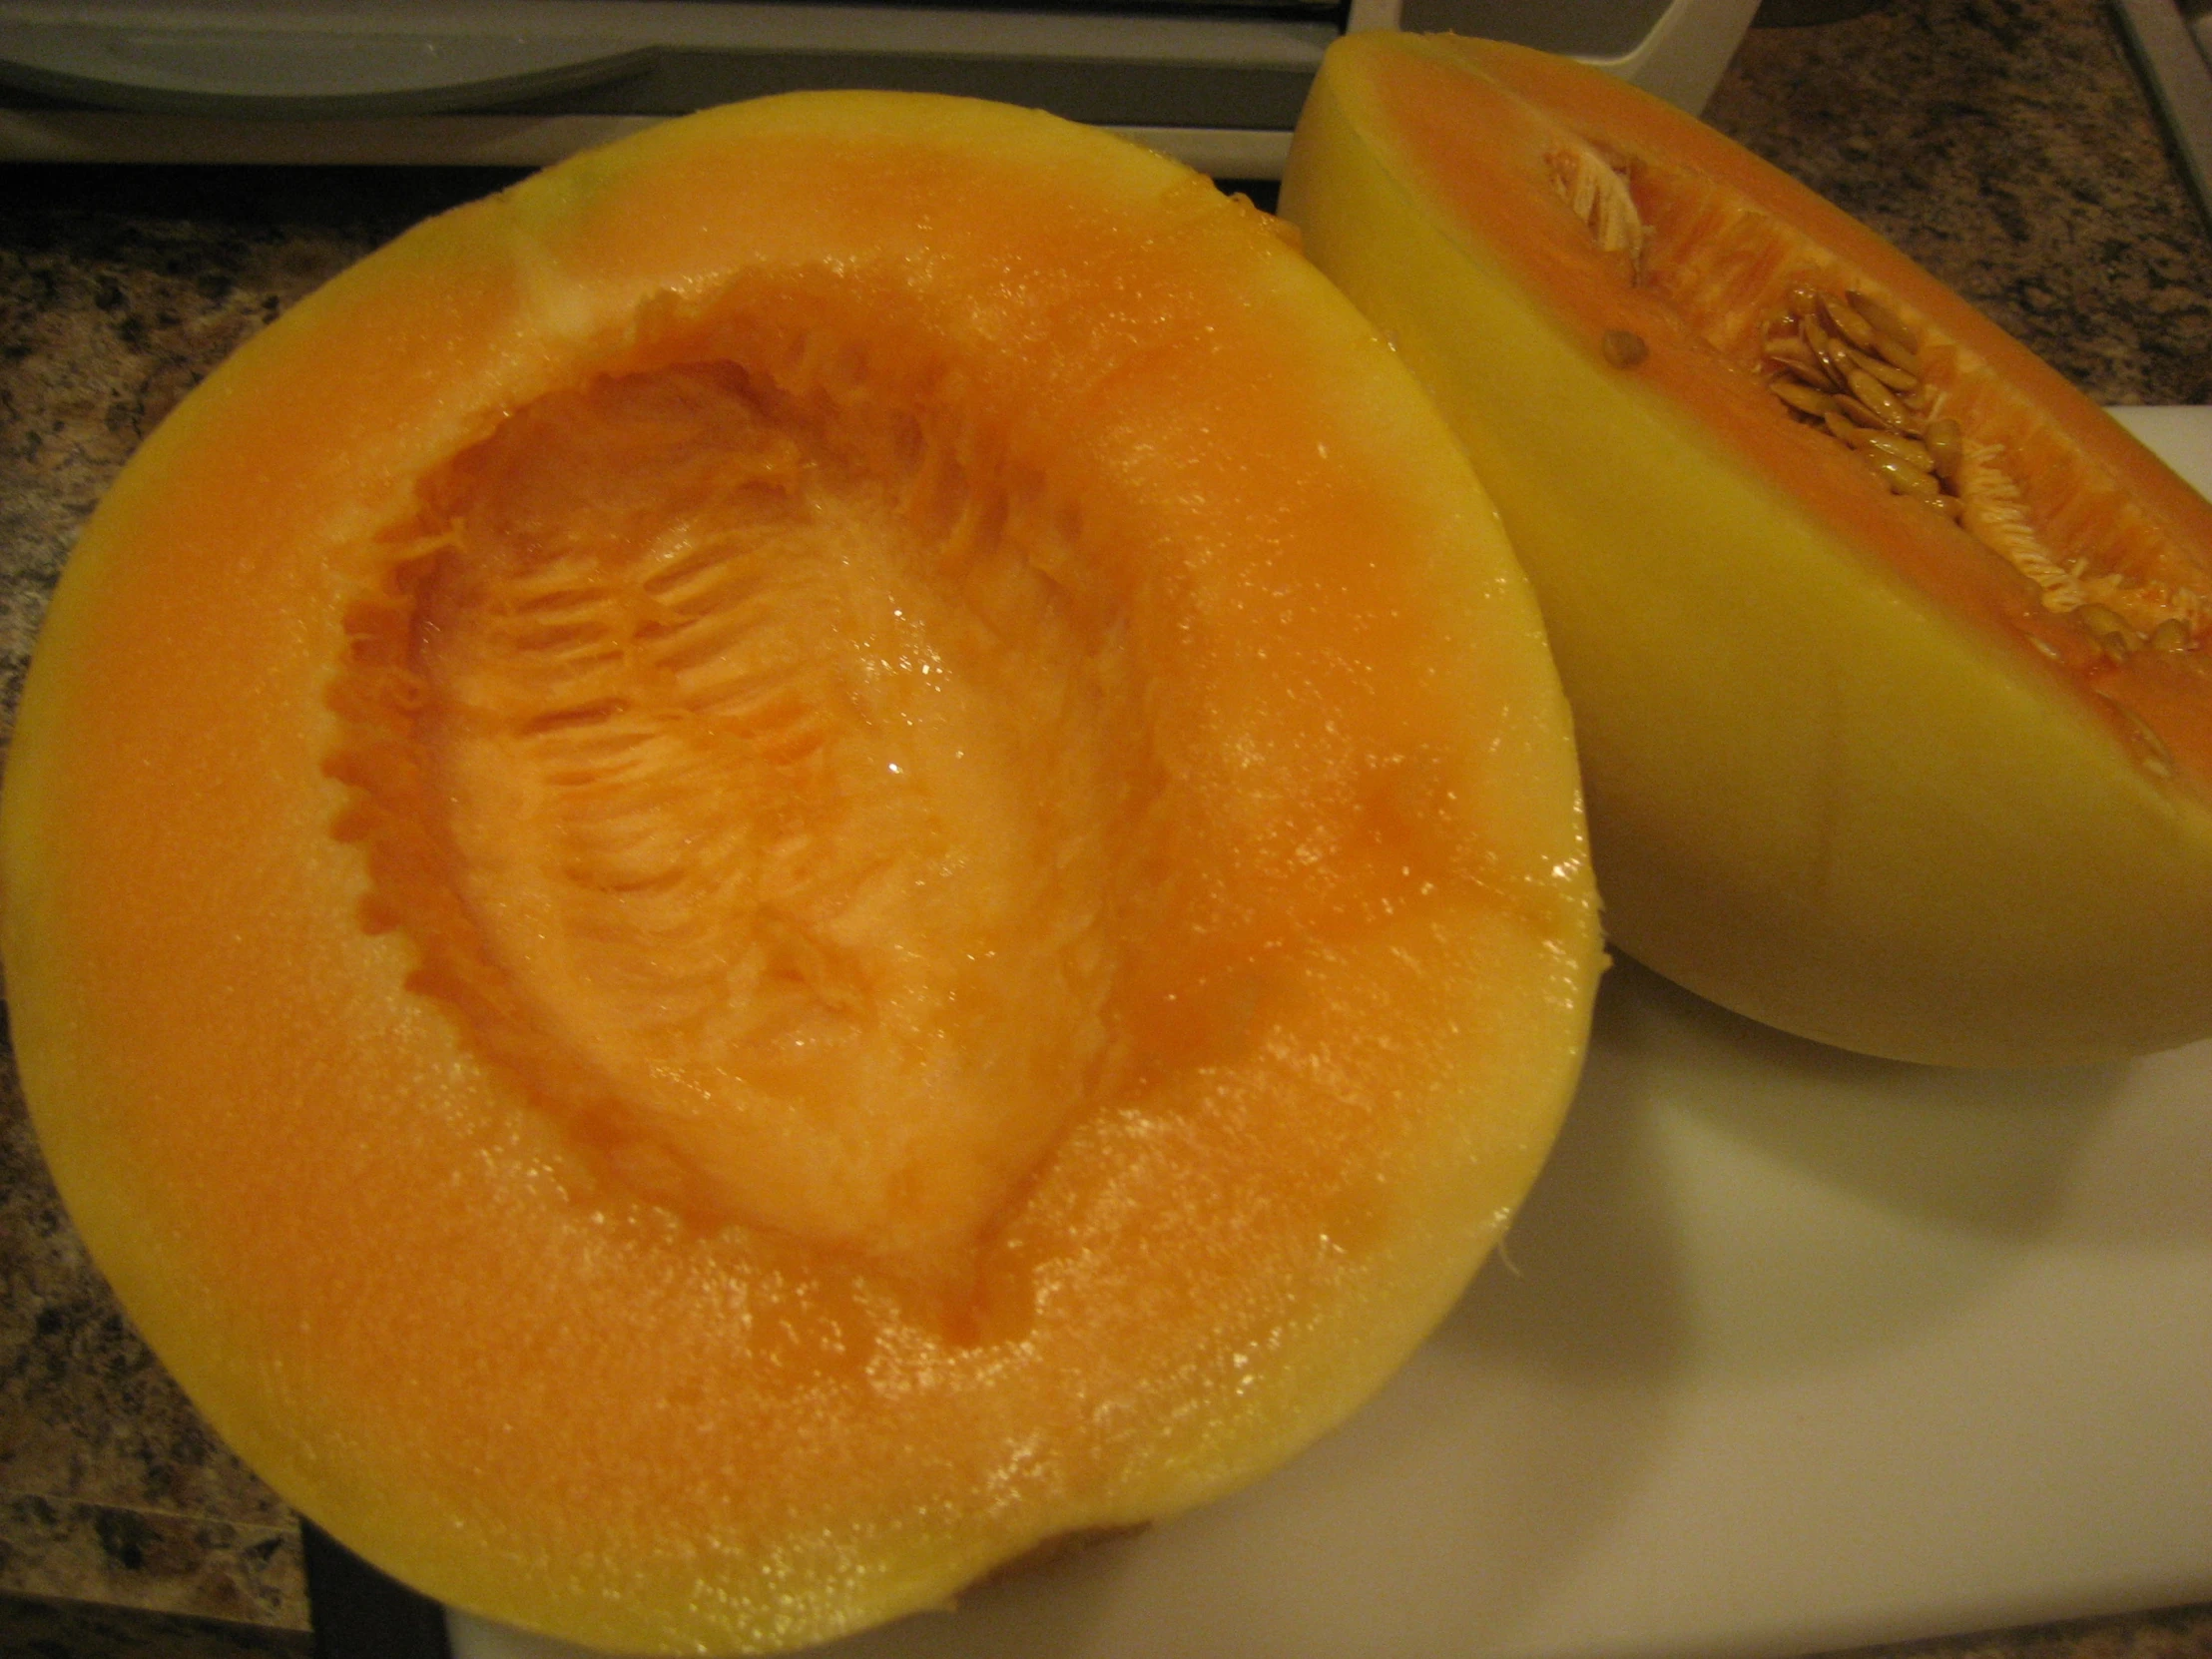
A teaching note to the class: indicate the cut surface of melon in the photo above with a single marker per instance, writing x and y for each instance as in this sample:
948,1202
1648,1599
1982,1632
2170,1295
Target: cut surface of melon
773,796
1910,755
834,844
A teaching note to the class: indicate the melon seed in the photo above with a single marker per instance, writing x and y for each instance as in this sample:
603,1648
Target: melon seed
1945,444
1840,357
1848,322
1792,353
1811,399
1881,399
1896,379
1902,476
1623,348
2114,636
1892,445
1886,322
1834,355
2157,759
1898,353
1859,412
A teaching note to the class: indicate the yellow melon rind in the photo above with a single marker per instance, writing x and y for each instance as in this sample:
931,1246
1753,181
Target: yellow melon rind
390,1282
1816,795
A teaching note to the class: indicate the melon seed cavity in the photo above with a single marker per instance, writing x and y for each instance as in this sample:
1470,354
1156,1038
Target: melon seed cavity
1846,363
1851,366
1841,360
690,752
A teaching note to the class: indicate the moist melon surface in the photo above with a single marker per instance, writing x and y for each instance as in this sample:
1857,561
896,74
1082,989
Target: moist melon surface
833,845
775,802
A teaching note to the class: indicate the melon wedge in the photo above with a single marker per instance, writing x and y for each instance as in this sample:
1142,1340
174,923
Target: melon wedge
1924,778
832,844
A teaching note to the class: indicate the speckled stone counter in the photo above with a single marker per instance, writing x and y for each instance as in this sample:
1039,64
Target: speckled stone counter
2007,146
119,290
2004,143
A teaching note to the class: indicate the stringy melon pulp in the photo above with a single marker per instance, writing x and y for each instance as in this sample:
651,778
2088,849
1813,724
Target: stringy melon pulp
751,784
834,843
2090,579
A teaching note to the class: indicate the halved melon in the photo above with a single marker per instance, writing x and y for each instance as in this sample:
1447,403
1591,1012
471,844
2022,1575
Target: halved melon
1887,650
833,844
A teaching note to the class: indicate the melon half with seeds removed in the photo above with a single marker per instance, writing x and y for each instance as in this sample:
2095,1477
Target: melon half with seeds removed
833,845
1888,651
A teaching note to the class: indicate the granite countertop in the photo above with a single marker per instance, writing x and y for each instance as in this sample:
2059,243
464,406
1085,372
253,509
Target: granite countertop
2005,143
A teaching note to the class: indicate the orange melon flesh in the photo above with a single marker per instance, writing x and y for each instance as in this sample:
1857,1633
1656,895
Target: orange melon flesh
1855,770
835,843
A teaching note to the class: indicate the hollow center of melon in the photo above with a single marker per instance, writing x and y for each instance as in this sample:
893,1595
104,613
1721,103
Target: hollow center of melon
1731,270
749,783
2003,499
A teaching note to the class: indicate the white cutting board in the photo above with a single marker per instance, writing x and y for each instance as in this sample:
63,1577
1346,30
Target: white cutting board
1789,1351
